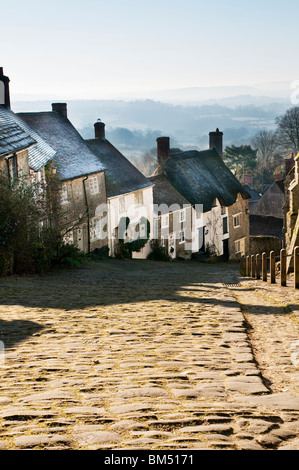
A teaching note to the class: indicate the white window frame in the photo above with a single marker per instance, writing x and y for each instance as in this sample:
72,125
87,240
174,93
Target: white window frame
165,221
182,237
95,228
138,198
236,218
183,215
238,246
93,185
122,204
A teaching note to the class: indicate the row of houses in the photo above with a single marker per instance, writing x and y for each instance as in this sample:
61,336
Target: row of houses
192,204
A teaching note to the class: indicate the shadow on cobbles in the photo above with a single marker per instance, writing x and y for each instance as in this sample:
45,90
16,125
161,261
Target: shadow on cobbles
16,331
113,282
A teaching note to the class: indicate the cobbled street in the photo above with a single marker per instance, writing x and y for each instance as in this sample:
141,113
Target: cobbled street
148,355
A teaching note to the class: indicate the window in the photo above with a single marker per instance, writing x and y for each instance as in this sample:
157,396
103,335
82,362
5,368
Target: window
138,197
64,194
182,237
95,228
165,221
12,168
122,204
236,220
94,185
182,215
240,246
225,227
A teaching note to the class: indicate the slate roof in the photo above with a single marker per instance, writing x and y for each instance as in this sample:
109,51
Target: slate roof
121,176
201,177
73,156
272,201
165,193
254,195
12,137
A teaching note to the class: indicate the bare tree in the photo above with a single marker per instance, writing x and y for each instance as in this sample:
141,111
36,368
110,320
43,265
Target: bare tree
288,130
268,147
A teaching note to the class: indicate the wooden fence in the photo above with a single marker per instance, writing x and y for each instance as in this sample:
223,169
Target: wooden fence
256,267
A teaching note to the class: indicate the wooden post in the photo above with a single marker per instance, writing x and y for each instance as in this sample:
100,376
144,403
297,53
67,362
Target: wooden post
252,266
243,266
248,266
296,267
264,266
283,267
258,266
272,267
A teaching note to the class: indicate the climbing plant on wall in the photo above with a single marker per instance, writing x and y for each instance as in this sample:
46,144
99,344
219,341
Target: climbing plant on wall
125,249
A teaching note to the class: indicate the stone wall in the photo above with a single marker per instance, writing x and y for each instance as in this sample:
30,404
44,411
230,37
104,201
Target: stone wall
241,232
83,214
264,244
22,163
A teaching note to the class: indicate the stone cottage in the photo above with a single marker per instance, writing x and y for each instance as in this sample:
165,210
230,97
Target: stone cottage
219,215
83,191
291,206
129,195
23,153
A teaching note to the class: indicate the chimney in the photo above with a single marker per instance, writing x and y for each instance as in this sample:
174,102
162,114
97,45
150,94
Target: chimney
60,108
163,149
99,129
216,141
289,163
4,89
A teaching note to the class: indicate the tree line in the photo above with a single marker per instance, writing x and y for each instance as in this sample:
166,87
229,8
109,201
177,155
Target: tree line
265,155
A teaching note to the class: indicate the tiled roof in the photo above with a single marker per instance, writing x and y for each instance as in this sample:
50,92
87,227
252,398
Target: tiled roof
12,136
73,156
22,136
201,177
122,176
165,193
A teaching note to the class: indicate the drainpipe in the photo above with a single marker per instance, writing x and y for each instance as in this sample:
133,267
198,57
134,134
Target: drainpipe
87,211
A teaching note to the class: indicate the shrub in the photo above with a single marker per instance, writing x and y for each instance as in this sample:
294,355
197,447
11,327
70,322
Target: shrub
158,252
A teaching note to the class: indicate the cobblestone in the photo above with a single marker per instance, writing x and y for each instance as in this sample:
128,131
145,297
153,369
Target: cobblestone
145,355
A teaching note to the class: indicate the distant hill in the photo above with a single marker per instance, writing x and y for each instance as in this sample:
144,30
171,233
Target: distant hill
133,126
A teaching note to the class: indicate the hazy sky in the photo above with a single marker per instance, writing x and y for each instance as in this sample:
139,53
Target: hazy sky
96,48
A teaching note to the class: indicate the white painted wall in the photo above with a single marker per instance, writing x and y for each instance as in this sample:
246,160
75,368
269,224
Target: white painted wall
134,212
212,223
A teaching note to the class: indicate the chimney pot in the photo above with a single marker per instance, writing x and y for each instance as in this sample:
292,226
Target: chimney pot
216,141
163,149
4,89
99,129
60,108
289,163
